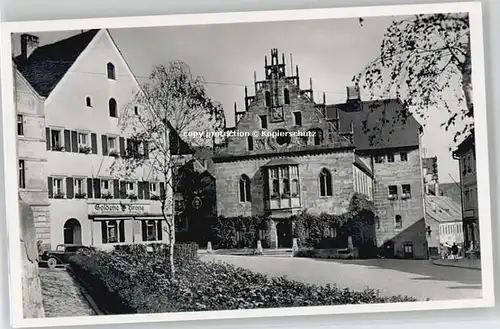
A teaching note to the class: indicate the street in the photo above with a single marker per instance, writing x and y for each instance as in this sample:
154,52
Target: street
417,278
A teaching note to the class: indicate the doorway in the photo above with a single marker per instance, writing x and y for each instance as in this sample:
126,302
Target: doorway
285,238
72,232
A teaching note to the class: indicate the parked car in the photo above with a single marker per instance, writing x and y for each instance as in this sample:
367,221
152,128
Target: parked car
60,255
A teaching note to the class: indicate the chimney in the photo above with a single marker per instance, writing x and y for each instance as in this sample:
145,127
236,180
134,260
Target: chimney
28,44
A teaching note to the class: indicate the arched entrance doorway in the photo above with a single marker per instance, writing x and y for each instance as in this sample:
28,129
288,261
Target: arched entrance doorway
284,231
72,232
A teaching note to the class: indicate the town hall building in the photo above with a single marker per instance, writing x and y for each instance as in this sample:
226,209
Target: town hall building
291,153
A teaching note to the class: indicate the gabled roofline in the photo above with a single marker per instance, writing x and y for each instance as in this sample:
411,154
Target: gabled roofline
30,87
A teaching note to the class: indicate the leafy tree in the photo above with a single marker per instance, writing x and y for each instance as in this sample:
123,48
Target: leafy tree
423,60
169,104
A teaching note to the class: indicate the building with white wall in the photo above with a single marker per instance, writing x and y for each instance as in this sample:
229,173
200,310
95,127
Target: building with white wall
69,97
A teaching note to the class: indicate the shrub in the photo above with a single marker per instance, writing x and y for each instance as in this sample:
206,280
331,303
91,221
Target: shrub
134,281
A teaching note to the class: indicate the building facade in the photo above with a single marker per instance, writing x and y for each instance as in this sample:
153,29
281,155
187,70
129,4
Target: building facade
289,153
466,156
69,98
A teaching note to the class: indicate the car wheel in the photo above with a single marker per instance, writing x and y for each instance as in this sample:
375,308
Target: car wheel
52,263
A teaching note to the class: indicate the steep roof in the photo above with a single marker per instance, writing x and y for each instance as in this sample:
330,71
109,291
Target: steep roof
442,209
47,65
377,124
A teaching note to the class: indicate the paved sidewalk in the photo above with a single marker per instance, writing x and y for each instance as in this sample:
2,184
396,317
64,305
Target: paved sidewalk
474,264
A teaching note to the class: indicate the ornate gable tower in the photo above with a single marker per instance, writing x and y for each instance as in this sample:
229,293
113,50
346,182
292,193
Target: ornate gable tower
284,156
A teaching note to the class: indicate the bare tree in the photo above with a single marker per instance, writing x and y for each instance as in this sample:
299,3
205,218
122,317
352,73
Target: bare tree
423,60
170,103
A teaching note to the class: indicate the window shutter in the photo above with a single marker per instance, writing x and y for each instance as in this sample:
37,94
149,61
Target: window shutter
97,188
123,190
93,140
116,188
159,229
90,188
144,230
74,142
128,150
69,188
104,229
146,191
162,190
47,138
67,140
50,187
140,190
122,146
146,150
121,228
104,139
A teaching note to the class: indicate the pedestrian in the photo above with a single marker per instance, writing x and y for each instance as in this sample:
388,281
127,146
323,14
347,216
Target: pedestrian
454,250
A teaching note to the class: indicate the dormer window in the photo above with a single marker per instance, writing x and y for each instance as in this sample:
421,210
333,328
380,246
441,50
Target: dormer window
111,71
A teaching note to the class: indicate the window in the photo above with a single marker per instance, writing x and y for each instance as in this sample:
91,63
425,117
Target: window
105,186
20,125
55,139
112,108
263,121
83,139
79,188
325,183
22,174
466,199
130,188
404,156
390,157
112,231
250,143
111,71
286,188
286,96
88,101
393,192
57,187
318,136
297,117
377,222
245,195
136,110
295,188
398,222
406,191
153,189
268,98
332,232
151,230
379,159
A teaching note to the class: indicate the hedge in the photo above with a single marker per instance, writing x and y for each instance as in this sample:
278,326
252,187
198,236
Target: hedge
311,231
133,282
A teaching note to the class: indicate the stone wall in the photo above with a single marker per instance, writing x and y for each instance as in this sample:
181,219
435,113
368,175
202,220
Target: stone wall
31,286
338,163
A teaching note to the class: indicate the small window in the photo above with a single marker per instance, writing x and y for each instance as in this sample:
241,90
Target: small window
286,96
112,144
286,188
112,230
393,192
379,159
318,136
390,157
295,188
113,108
263,121
398,222
268,98
20,125
325,183
22,174
130,188
58,188
88,102
404,156
297,116
406,189
105,186
55,139
153,188
151,231
250,143
136,110
111,71
83,139
245,193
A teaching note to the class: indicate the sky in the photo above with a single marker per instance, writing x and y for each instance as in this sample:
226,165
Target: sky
226,56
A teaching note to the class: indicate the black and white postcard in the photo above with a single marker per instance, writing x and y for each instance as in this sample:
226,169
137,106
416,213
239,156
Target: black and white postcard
236,165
